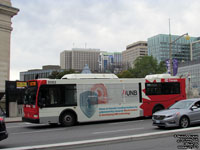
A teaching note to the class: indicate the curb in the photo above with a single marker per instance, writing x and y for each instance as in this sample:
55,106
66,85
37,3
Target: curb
14,119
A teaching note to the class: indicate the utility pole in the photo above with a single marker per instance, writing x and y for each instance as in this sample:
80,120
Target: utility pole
170,50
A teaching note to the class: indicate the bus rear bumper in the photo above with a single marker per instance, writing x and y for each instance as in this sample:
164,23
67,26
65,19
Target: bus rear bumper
30,120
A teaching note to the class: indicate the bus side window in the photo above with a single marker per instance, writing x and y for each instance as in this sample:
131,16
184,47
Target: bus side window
70,95
49,96
51,99
54,96
171,88
43,96
162,88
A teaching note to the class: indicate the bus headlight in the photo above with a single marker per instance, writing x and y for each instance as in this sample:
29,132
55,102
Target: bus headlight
35,116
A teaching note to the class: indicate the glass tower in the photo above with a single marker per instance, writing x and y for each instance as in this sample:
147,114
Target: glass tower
158,47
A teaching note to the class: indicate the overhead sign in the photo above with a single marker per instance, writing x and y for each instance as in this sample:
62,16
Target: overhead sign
21,84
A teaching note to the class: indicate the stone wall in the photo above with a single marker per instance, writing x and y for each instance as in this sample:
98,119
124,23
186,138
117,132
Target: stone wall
6,13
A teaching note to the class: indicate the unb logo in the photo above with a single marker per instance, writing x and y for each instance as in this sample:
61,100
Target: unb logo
88,103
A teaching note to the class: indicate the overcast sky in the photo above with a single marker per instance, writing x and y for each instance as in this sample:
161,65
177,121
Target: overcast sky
44,28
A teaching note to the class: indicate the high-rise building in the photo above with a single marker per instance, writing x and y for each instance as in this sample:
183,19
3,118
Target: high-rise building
118,58
158,47
77,58
110,62
6,13
195,50
66,59
132,52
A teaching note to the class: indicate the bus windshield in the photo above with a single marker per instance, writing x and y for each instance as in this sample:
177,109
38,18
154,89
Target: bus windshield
30,95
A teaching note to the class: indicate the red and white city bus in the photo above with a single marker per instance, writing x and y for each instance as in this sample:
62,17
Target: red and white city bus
98,97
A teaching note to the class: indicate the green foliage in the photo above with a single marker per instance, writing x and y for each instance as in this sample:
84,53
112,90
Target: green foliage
143,66
125,74
59,75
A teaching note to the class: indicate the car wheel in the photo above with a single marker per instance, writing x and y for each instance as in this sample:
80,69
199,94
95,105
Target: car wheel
68,119
184,122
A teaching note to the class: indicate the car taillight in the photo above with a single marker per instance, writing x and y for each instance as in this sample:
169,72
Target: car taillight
1,118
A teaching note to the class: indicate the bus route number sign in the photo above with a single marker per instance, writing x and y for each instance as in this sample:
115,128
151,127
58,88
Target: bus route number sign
32,83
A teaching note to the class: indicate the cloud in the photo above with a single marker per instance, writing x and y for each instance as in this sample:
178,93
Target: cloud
42,29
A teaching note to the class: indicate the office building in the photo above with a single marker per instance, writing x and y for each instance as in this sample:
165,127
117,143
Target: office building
132,52
158,47
45,72
6,13
110,62
77,58
195,50
66,59
191,71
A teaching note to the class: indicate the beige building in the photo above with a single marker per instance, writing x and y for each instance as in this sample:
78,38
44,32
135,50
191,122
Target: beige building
77,58
66,59
6,13
132,52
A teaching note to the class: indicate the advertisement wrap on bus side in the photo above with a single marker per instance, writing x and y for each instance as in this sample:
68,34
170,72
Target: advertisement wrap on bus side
105,101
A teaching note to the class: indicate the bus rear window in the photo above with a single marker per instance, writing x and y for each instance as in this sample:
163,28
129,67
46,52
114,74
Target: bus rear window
162,88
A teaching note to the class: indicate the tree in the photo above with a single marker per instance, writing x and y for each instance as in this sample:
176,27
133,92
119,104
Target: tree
143,66
146,65
125,74
54,75
59,75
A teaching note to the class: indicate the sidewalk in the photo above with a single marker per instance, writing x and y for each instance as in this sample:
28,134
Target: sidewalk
13,119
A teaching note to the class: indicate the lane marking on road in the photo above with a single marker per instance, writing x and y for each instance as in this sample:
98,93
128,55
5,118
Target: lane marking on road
24,125
105,140
125,122
38,131
114,131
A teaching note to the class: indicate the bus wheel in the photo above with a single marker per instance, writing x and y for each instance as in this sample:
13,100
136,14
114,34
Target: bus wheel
67,119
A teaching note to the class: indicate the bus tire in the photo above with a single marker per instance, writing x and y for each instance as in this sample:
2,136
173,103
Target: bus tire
68,119
157,108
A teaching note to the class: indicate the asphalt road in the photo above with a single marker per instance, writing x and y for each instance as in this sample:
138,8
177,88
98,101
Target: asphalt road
26,134
164,143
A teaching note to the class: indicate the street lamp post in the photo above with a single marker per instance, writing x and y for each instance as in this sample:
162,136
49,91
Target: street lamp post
170,49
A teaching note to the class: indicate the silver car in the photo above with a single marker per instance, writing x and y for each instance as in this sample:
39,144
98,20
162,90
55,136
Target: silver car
183,114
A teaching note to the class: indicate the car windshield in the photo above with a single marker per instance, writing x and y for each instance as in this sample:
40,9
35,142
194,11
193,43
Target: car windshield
30,95
181,105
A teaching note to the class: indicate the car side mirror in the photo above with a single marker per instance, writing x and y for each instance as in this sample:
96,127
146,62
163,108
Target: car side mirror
194,107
